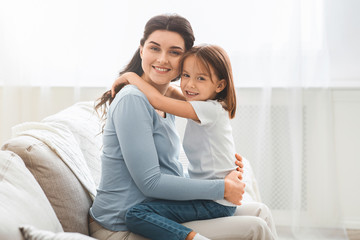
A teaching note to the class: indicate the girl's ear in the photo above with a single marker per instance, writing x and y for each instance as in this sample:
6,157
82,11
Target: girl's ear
220,85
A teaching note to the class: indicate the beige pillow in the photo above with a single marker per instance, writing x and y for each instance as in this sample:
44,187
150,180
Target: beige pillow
70,201
31,233
22,201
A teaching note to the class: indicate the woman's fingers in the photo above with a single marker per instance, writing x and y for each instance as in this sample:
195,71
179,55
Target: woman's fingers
234,188
240,169
239,163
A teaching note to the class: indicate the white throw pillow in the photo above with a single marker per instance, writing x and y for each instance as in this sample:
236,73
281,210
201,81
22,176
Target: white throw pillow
22,201
31,233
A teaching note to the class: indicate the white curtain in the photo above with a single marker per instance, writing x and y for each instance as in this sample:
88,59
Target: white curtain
286,128
51,50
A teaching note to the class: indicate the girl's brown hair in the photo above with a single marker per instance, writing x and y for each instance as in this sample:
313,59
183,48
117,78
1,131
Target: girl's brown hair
212,56
169,22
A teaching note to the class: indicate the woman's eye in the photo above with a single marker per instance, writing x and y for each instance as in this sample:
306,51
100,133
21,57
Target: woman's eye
155,48
175,53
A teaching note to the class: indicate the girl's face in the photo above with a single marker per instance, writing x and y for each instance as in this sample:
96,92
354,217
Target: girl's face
160,56
197,84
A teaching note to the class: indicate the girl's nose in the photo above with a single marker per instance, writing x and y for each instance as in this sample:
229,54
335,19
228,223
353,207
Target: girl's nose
191,83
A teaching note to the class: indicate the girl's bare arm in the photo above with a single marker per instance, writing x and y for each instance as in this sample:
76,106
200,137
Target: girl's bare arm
167,104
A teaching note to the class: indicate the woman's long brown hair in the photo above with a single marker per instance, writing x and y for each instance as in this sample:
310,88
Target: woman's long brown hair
169,22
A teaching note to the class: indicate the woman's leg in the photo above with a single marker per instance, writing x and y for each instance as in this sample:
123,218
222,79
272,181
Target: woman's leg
161,219
101,233
251,221
260,210
233,228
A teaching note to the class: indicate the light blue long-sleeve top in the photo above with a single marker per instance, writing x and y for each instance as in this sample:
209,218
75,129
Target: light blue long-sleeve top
140,161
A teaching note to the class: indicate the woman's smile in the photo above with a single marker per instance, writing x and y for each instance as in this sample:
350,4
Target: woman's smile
161,69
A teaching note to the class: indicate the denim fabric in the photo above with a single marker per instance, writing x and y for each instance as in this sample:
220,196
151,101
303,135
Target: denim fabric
160,219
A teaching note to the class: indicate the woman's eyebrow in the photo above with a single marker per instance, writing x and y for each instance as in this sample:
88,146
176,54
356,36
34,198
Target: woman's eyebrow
172,47
154,43
176,47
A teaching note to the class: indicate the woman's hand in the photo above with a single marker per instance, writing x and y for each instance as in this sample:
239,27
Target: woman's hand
234,188
239,163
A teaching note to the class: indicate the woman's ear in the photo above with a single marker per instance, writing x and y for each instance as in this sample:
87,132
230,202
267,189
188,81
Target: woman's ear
221,84
141,51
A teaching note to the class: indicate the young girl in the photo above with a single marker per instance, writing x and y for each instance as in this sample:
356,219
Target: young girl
208,102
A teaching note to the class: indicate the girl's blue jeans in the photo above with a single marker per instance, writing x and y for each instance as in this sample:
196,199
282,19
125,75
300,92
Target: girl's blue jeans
160,219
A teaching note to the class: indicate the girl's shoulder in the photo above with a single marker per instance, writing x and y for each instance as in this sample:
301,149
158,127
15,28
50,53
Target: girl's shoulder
208,104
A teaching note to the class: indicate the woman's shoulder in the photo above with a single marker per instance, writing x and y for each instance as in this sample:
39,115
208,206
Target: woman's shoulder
130,90
130,94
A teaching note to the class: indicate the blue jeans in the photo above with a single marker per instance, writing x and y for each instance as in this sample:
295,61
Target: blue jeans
160,219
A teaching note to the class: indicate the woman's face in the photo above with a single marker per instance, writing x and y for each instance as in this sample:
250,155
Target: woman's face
160,56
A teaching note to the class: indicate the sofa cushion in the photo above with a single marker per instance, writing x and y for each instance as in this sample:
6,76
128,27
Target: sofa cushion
70,201
22,201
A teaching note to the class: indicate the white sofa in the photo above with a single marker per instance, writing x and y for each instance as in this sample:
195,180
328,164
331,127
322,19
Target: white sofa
44,177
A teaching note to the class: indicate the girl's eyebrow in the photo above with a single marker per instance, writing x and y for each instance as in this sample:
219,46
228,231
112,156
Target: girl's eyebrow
172,47
198,73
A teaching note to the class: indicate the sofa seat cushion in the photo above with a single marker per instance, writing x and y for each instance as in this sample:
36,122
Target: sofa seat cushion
69,199
22,201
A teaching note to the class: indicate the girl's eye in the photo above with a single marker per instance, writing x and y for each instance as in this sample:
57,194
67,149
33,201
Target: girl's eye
184,75
201,78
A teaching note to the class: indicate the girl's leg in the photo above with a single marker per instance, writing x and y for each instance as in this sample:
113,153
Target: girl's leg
161,219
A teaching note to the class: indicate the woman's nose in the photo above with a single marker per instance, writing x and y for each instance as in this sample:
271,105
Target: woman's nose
162,59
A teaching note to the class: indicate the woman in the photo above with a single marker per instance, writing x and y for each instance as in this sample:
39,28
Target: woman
141,145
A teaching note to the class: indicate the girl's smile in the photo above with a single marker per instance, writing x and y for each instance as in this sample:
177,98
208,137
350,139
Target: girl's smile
197,84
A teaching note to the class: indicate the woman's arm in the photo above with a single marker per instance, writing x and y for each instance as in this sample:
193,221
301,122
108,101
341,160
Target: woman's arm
133,123
157,100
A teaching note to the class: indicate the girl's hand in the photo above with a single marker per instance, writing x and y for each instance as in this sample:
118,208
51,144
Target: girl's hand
234,188
239,163
174,92
122,80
